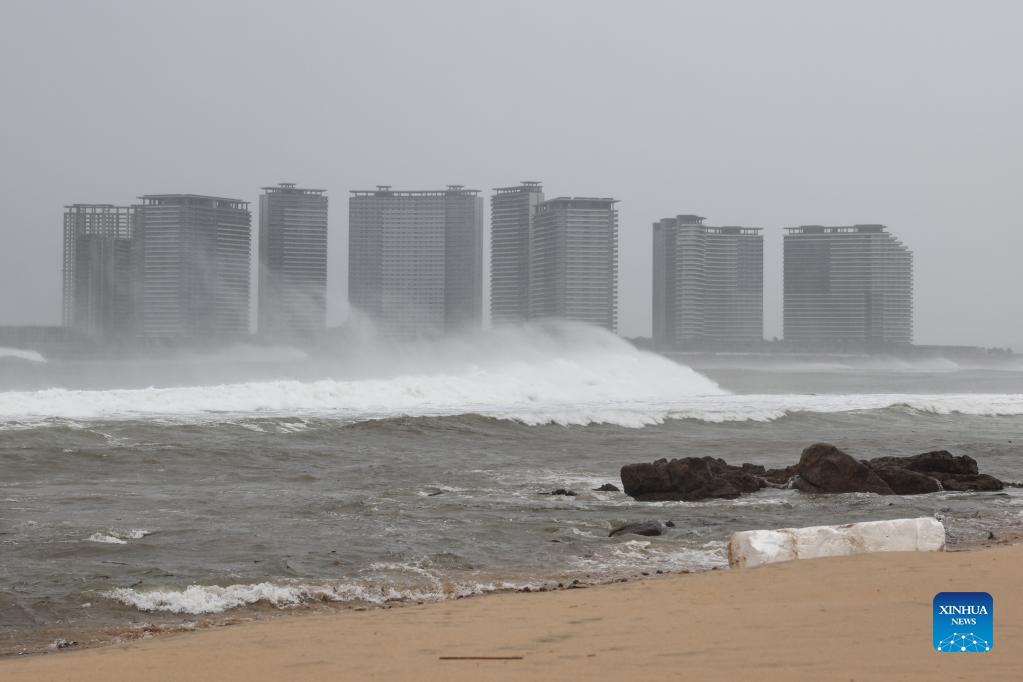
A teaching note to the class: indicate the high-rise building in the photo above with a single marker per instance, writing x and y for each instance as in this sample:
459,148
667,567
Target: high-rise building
847,285
292,262
708,282
99,278
511,220
573,254
415,259
194,254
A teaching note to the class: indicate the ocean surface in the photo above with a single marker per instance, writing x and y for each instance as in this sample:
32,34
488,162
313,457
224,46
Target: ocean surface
138,495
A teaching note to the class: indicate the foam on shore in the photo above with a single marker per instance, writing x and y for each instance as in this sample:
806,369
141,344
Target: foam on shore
207,599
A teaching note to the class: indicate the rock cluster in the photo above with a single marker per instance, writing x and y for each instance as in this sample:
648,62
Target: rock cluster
698,478
689,478
822,468
953,473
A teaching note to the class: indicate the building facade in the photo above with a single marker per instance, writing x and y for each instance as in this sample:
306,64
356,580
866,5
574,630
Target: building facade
292,262
708,283
511,221
573,261
415,259
99,285
847,286
194,257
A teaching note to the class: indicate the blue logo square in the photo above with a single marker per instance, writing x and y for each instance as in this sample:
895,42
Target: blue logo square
964,622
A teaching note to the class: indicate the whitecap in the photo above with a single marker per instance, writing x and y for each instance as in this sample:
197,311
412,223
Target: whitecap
106,539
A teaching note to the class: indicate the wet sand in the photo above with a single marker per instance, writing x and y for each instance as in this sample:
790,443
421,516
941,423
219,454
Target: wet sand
849,618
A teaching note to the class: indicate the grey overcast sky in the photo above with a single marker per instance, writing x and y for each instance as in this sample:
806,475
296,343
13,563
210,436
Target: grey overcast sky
765,114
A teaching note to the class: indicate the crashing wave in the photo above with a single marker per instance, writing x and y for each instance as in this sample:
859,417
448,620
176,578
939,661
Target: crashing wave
538,403
200,599
575,380
562,375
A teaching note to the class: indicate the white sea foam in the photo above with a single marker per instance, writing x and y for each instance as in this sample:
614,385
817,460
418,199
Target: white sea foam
199,599
645,555
541,402
569,377
196,599
106,539
119,537
565,383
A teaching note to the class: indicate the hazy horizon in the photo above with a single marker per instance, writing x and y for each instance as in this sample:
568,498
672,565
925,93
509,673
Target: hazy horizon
764,115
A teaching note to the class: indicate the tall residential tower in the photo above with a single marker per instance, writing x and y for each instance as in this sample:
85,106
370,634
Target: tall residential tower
292,262
847,285
99,276
573,254
194,256
708,283
415,259
511,220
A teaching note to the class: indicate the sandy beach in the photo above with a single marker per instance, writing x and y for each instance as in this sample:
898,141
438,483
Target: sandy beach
850,618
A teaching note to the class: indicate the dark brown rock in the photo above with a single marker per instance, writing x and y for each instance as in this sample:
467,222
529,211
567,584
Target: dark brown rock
689,478
936,461
823,468
907,482
643,478
773,477
952,472
780,477
607,488
646,528
966,482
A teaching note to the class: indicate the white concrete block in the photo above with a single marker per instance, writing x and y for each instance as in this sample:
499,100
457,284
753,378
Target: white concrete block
930,535
756,547
818,541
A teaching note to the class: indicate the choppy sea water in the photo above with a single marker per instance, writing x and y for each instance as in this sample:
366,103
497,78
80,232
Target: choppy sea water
139,495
